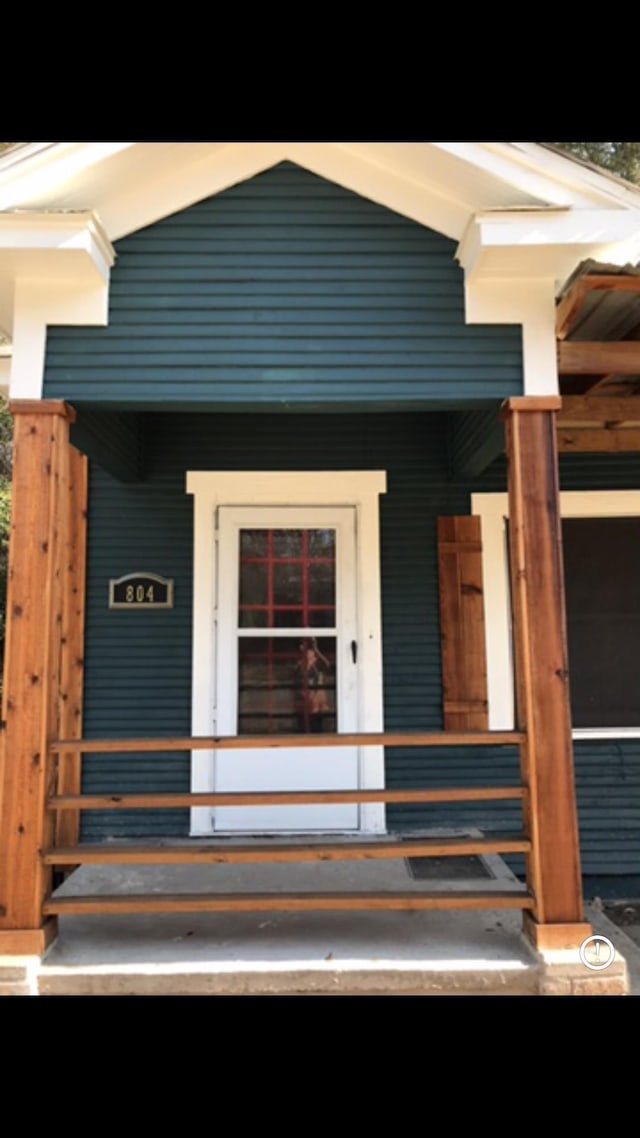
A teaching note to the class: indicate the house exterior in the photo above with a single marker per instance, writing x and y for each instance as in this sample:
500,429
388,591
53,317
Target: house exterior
287,420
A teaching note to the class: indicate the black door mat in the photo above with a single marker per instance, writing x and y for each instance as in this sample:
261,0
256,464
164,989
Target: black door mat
448,868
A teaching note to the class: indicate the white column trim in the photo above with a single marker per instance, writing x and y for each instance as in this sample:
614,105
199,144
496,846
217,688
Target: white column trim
357,488
530,303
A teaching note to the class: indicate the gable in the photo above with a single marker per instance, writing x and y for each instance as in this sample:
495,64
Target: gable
282,290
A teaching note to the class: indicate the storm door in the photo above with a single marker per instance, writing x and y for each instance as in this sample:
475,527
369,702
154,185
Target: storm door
286,660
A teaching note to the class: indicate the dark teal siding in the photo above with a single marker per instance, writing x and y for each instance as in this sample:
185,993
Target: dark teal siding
139,664
285,290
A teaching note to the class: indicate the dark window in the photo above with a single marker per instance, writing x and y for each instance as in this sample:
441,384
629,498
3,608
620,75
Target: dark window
602,574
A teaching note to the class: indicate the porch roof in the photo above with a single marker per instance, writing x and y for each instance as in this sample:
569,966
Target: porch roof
524,216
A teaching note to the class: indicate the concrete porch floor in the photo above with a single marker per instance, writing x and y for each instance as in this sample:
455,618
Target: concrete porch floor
342,953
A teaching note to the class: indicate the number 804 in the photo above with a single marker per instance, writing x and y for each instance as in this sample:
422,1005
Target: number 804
138,594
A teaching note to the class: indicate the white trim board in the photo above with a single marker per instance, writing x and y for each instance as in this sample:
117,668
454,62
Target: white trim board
357,488
493,510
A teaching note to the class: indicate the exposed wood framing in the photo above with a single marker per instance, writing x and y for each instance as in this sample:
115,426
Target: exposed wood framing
573,302
32,661
542,674
462,633
596,410
581,357
598,440
599,424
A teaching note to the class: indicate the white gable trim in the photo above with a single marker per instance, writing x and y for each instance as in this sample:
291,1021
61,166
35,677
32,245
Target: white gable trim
437,184
557,213
536,243
54,269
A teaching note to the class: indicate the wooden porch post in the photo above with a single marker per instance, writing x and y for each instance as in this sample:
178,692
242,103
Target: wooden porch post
72,649
540,641
32,671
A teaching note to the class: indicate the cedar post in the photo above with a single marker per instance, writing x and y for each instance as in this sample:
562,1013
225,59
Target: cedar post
542,676
39,512
72,654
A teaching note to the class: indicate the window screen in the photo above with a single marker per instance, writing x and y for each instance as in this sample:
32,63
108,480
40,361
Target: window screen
602,571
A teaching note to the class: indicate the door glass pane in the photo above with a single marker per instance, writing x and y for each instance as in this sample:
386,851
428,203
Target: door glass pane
287,686
287,579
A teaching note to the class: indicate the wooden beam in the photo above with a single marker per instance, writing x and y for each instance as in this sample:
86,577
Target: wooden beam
573,302
72,656
261,742
32,659
570,308
598,440
167,801
281,852
612,282
580,410
591,358
284,902
542,674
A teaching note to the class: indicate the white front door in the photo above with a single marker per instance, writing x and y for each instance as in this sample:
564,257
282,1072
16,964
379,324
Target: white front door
287,637
286,659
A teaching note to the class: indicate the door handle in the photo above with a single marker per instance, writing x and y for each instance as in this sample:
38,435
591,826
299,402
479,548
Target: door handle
354,651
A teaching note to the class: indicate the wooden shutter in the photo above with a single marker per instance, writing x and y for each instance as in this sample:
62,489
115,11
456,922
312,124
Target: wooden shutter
464,661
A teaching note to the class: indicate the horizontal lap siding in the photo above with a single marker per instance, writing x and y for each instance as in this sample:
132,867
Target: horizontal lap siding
139,664
284,289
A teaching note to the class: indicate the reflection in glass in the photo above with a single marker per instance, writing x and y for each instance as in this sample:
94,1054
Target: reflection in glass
287,584
253,543
287,579
287,686
287,542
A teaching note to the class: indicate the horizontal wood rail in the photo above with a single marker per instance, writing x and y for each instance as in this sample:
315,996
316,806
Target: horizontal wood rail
273,852
251,742
281,902
167,800
235,851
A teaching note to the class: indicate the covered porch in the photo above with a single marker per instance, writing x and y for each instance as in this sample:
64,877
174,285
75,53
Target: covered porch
43,799
321,342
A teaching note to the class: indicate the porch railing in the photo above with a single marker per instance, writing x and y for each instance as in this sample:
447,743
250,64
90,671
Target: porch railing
209,852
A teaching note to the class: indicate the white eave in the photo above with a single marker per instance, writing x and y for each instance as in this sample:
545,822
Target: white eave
546,243
57,247
516,210
439,184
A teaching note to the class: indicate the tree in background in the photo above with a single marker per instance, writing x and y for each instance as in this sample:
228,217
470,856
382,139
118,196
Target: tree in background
622,158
